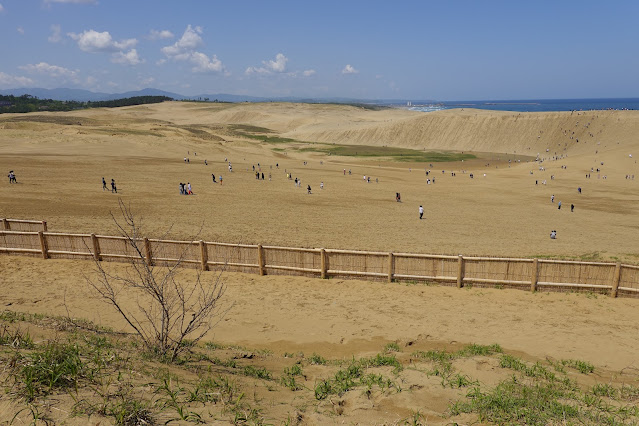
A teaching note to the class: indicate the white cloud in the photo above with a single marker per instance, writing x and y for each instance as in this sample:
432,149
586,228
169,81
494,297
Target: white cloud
50,70
160,62
159,35
204,64
129,58
1,8
348,69
147,81
56,34
10,80
20,30
185,45
308,73
93,41
184,50
272,66
72,1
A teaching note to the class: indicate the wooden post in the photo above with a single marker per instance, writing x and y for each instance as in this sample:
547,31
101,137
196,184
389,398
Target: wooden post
535,275
96,247
5,225
391,266
204,256
260,258
460,272
43,245
44,226
615,281
323,263
148,252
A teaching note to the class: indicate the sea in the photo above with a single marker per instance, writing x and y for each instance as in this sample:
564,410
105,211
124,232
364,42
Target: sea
530,105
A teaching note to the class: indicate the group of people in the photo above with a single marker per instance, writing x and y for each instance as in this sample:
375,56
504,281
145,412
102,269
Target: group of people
12,177
114,188
185,188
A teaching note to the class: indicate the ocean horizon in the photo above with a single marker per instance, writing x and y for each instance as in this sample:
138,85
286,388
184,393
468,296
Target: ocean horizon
529,105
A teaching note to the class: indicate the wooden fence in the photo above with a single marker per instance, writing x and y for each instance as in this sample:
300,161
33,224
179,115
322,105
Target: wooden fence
23,225
615,279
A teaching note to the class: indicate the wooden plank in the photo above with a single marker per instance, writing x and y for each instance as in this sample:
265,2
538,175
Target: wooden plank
460,271
364,274
96,248
323,263
43,245
630,289
630,266
260,259
576,262
242,265
298,249
19,250
424,277
66,234
25,221
71,253
391,267
425,256
171,259
371,253
293,268
5,225
615,280
576,285
493,281
535,276
497,259
44,226
204,256
148,253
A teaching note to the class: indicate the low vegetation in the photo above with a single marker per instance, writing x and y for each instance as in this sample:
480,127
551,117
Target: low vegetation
59,370
28,103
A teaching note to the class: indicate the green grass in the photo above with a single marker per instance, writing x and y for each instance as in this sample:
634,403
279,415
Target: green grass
397,154
257,372
582,366
391,347
316,359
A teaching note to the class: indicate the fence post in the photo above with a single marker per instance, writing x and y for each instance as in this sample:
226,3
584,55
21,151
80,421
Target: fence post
323,263
260,258
391,266
615,281
204,256
460,272
44,225
5,224
96,247
148,252
535,275
43,245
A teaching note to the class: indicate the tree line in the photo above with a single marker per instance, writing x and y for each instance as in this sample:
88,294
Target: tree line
28,103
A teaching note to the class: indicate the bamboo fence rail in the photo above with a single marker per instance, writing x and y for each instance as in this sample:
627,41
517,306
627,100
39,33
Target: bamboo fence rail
615,279
23,225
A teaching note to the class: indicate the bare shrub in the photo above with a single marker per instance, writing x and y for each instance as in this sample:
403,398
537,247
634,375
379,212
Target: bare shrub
166,309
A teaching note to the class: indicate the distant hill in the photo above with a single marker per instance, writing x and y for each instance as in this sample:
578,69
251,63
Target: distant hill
81,95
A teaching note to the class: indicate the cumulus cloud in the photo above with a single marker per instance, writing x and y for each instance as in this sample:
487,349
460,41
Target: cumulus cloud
181,49
271,66
48,69
308,73
185,50
56,34
7,80
160,35
129,58
348,69
93,41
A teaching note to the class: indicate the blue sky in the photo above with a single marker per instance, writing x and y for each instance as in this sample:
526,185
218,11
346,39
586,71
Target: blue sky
444,50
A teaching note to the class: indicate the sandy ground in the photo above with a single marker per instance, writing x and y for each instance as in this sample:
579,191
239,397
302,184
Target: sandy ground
60,163
344,318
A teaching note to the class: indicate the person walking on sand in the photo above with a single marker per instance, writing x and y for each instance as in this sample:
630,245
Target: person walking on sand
113,187
308,189
104,187
559,206
421,212
572,208
188,185
213,176
220,180
321,185
552,198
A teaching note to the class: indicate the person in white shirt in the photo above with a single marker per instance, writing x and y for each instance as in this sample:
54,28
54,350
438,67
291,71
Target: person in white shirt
421,212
